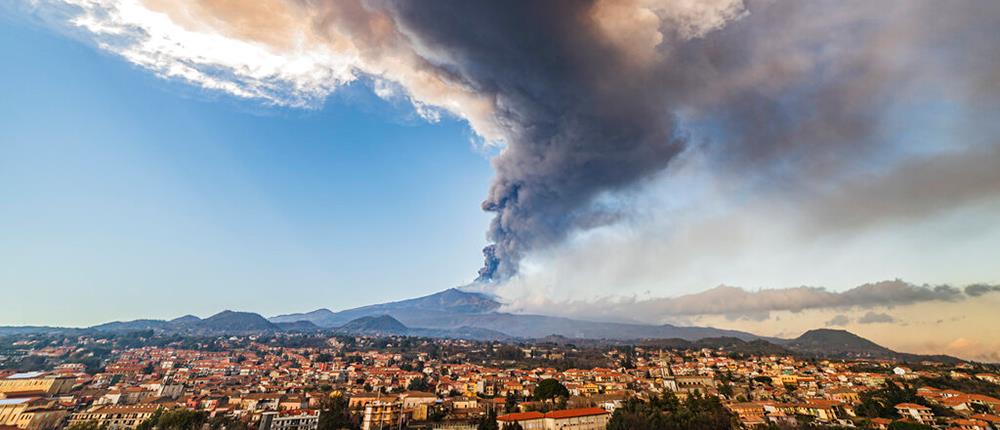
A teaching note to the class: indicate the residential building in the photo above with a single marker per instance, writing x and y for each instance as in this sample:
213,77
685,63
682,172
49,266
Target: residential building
34,383
290,420
379,414
919,413
115,417
569,419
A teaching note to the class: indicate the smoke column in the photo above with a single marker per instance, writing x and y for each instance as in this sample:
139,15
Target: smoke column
589,98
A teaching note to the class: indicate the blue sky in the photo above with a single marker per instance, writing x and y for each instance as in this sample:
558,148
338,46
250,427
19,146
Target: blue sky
128,196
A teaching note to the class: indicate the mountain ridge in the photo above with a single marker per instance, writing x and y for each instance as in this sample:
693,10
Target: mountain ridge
454,313
453,308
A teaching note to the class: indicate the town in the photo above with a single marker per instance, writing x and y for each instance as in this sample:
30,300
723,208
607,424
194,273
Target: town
143,380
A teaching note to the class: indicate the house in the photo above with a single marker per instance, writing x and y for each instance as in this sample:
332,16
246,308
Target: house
382,413
290,420
35,383
30,413
115,417
880,423
527,420
568,419
919,413
825,411
967,424
751,414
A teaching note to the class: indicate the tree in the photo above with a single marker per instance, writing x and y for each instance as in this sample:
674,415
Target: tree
88,425
513,426
510,406
882,403
667,413
149,422
418,384
334,414
181,419
224,422
489,421
549,389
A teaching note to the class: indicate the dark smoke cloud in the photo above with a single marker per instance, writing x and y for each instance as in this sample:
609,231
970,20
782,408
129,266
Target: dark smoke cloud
876,318
838,321
797,92
595,97
580,117
977,290
726,300
738,303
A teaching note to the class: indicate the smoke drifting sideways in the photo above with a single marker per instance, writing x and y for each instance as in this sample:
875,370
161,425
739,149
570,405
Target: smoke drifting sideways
581,115
592,98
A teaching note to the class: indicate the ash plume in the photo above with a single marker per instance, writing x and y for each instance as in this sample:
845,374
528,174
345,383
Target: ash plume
593,98
581,115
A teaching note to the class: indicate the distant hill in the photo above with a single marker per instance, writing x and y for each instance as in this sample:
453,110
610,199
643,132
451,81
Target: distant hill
320,317
222,322
832,343
454,313
450,301
842,342
455,309
374,325
185,320
300,326
385,325
134,325
232,321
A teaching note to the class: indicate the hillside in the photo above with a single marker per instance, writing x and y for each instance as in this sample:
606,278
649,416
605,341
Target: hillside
450,301
832,343
374,325
453,309
232,321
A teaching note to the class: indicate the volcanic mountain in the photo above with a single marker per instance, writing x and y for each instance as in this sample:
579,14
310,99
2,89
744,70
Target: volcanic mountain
454,309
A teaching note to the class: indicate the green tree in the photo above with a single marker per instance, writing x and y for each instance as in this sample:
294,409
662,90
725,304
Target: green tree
488,421
181,419
334,414
150,422
510,406
224,422
88,425
418,384
549,389
667,413
882,402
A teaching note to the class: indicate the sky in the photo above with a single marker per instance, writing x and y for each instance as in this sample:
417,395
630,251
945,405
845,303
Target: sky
126,196
770,166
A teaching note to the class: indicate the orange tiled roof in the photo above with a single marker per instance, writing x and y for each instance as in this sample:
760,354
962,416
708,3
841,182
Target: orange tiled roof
522,416
572,413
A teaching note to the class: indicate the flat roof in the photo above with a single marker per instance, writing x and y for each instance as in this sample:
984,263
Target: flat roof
25,375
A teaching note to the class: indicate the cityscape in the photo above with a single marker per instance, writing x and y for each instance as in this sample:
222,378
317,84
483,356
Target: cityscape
499,215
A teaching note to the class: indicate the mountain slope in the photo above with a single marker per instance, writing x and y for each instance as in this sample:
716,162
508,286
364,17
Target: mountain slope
450,301
134,325
236,321
453,309
374,325
843,342
831,343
